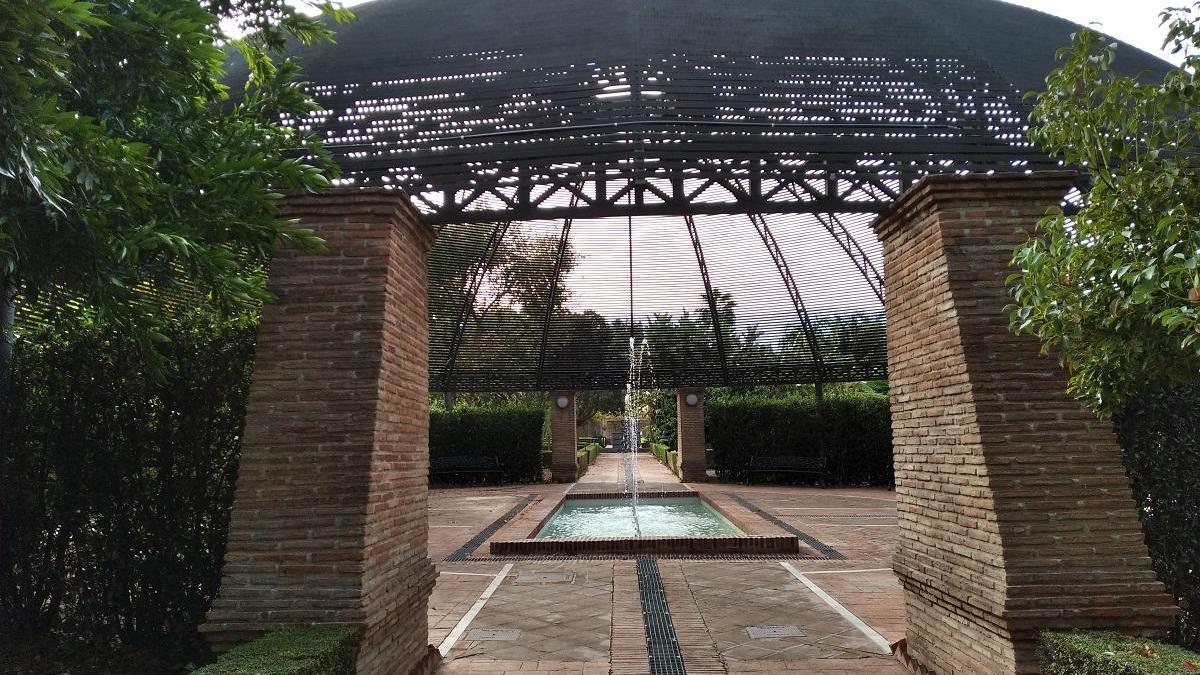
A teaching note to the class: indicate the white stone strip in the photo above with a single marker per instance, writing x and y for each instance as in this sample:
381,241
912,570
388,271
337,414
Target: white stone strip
877,569
870,633
810,523
465,621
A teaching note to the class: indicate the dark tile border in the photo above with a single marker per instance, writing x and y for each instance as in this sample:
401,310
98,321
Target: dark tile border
828,552
464,552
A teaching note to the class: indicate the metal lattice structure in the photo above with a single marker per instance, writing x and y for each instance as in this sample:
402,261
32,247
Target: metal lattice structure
602,170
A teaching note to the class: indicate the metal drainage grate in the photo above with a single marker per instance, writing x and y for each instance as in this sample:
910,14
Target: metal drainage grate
821,547
773,632
464,552
661,641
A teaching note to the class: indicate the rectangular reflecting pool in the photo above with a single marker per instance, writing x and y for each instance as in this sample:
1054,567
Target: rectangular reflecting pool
658,517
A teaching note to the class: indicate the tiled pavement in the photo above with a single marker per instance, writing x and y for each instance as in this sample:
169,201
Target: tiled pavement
583,616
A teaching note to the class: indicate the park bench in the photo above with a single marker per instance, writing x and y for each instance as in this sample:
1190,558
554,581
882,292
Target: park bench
786,464
467,464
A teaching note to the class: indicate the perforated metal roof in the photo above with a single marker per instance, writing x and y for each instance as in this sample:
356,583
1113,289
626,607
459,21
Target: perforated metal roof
602,169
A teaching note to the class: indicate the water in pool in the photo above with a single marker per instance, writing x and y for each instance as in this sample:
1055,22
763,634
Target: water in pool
658,516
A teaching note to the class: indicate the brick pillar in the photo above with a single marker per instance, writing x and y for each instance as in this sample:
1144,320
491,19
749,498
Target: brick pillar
689,429
329,517
563,438
1015,510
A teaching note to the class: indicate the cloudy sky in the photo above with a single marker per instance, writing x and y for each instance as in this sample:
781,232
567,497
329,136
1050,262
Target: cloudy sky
1133,21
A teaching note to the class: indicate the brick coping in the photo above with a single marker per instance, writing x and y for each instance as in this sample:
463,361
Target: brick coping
657,494
692,545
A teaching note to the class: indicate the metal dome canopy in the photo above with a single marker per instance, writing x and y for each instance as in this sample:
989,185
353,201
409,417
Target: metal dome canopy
632,167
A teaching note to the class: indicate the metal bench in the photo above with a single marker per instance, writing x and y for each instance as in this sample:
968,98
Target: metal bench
467,464
786,464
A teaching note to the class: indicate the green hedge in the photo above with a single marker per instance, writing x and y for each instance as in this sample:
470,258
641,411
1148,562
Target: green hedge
318,650
851,429
1080,653
511,432
116,483
585,456
659,450
1160,438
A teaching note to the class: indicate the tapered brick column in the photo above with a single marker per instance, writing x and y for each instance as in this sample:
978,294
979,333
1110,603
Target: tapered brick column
1015,510
563,437
689,431
329,517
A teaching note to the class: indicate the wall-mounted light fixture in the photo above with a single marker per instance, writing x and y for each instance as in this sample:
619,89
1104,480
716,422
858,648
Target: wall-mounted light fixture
562,401
691,399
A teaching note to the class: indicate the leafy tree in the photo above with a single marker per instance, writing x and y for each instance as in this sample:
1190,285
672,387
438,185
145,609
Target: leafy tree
128,173
1115,289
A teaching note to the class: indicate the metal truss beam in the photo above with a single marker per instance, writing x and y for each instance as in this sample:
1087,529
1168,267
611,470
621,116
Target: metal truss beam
712,300
469,295
785,273
563,240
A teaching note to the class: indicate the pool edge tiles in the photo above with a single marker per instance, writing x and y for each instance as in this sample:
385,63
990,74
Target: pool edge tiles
745,544
738,542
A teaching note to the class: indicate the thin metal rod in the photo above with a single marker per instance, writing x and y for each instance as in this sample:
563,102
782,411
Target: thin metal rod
630,226
712,300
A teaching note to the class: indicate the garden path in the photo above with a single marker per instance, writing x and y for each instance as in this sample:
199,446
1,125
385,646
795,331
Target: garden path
499,616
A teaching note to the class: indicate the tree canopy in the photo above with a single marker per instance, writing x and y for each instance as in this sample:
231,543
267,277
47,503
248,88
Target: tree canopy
128,173
1115,288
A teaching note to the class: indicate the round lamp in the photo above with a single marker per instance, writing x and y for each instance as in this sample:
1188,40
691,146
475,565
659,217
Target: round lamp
692,399
562,401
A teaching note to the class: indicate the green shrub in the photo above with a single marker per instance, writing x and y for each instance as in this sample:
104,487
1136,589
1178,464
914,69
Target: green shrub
547,459
511,432
673,461
1081,653
116,484
659,450
318,650
1160,438
585,456
852,429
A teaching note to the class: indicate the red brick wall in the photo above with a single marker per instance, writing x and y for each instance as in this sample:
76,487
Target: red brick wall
563,438
689,422
329,521
1015,510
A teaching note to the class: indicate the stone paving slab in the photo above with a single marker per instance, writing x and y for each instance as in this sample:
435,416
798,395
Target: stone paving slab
594,626
561,622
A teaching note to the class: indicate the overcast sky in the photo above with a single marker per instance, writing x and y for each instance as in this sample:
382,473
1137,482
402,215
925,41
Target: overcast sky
1133,21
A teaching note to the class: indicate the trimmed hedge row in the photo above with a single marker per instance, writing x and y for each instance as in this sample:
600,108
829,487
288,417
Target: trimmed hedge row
851,429
664,454
1159,432
1080,653
317,650
585,456
511,432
